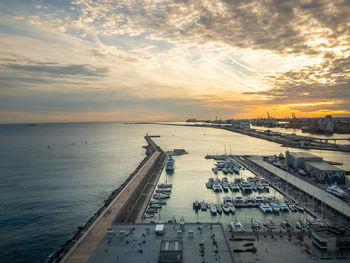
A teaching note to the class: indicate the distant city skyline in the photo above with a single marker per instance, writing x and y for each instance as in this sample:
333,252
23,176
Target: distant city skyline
85,60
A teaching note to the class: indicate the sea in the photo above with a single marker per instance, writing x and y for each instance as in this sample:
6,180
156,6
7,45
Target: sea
55,176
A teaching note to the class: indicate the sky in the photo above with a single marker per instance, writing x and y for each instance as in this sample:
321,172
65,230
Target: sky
109,60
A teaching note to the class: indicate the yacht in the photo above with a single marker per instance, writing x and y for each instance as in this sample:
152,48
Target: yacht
232,208
216,187
238,199
275,208
335,190
226,208
258,199
246,187
213,209
283,207
260,187
225,186
265,208
169,165
237,226
218,208
234,187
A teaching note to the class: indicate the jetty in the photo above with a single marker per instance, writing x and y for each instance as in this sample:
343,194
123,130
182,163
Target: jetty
121,207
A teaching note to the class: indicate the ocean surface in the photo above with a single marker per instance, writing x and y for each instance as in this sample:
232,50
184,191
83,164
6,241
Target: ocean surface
54,176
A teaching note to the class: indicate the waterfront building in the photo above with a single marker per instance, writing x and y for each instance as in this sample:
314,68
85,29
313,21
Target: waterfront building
327,240
325,173
297,160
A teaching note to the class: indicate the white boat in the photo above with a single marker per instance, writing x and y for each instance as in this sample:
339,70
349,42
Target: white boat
265,208
234,187
266,187
238,199
283,207
218,208
216,187
246,187
258,199
275,208
232,208
161,196
213,209
237,226
165,185
260,187
163,190
335,190
225,208
169,165
225,186
254,224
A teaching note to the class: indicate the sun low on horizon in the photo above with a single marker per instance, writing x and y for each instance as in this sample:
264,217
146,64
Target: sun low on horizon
86,60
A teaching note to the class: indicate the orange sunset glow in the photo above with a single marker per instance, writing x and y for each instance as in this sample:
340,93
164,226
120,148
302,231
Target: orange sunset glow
87,60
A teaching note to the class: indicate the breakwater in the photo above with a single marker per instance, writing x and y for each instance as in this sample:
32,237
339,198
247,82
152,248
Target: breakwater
152,152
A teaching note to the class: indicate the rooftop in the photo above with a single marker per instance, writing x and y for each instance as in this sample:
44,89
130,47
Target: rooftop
324,166
303,155
141,244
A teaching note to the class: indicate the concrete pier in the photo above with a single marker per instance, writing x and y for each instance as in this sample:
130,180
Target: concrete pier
122,208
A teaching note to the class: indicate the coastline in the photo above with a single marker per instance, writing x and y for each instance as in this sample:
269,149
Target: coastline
151,148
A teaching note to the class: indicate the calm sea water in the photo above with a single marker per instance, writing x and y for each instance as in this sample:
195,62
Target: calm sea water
54,176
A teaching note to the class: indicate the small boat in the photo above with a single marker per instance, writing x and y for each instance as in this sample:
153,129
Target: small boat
234,187
169,165
258,199
158,202
161,196
293,208
276,209
224,170
298,224
232,208
265,208
285,225
203,206
151,210
225,186
283,207
230,170
209,185
299,208
238,199
225,208
164,190
246,187
255,224
155,206
215,170
335,190
216,188
260,187
218,208
165,185
237,226
266,187
213,209
196,205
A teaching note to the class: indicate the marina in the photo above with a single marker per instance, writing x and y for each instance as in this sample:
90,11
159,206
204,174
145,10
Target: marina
242,201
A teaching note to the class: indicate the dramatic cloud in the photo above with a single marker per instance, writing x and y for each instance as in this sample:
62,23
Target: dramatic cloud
174,58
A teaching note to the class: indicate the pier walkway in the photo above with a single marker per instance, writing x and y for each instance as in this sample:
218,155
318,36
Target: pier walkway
87,244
